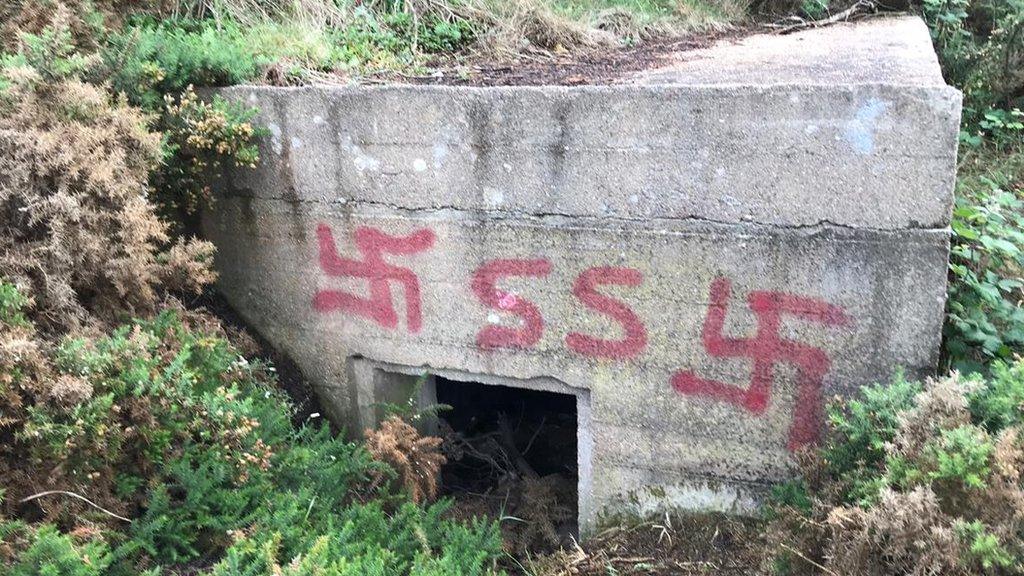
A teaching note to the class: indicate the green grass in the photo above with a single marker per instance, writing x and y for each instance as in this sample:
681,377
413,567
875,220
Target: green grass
652,17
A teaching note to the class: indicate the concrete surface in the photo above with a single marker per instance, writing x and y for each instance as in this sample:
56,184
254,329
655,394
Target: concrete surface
701,258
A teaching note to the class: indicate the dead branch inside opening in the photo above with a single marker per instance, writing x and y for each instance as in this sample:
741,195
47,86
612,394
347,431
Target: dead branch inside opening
512,454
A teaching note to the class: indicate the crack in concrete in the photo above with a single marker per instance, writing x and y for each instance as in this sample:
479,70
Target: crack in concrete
498,215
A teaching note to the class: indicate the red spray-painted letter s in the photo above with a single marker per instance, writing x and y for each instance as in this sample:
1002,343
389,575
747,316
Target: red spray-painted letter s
484,285
585,289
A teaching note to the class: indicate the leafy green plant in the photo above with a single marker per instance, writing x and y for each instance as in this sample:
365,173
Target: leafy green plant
985,317
1005,127
814,9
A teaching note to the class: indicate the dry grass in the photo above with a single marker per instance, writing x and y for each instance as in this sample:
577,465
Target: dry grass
503,28
314,13
684,545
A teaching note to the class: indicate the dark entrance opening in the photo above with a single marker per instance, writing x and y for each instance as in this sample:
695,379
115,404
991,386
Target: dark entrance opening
512,454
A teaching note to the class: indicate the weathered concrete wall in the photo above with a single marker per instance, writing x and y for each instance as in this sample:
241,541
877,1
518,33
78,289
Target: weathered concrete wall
703,253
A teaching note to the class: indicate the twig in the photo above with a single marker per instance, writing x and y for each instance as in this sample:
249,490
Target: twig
509,444
808,560
837,17
535,434
79,496
633,559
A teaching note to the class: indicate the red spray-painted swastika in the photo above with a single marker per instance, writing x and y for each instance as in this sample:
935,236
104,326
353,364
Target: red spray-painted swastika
767,349
484,286
585,289
372,244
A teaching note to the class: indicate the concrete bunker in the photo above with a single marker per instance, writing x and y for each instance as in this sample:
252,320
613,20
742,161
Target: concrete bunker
540,427
700,253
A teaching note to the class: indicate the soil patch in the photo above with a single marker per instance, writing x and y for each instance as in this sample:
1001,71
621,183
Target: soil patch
593,67
687,545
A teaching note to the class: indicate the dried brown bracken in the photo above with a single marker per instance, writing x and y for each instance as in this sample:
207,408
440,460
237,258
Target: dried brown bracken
417,459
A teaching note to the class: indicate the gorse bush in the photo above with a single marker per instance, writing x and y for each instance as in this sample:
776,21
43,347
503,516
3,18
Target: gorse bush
921,479
80,236
200,138
163,423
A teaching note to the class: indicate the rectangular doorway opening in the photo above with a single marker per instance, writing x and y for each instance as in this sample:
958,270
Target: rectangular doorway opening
512,453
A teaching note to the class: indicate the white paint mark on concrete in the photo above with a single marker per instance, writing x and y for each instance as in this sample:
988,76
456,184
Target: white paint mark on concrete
419,164
494,196
440,153
811,129
493,318
794,98
318,119
275,138
360,159
695,496
634,199
296,143
860,131
731,201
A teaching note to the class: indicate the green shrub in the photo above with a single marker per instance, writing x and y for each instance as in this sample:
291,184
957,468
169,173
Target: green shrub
913,479
165,423
152,59
961,455
1000,403
51,553
984,551
860,430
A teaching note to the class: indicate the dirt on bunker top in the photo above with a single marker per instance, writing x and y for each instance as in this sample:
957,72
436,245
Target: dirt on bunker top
880,50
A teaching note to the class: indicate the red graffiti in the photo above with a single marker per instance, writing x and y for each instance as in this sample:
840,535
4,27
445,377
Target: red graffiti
372,244
585,289
484,287
767,349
